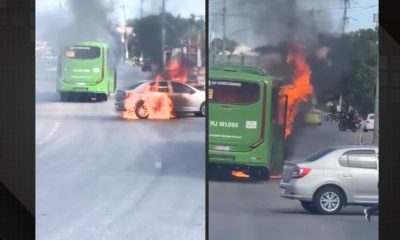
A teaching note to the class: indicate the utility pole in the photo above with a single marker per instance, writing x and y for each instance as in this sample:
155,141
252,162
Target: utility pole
199,41
345,18
141,8
291,20
223,28
163,34
125,33
376,118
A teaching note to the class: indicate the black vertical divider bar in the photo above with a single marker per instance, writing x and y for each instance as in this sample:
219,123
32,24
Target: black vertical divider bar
206,38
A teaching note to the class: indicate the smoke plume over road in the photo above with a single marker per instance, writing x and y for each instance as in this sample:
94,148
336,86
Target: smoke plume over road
81,20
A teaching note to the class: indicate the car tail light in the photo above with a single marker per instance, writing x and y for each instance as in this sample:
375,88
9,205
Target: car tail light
300,172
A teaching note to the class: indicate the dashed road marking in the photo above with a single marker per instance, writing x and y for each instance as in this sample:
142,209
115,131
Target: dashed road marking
50,134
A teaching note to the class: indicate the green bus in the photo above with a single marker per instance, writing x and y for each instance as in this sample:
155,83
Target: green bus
246,120
86,68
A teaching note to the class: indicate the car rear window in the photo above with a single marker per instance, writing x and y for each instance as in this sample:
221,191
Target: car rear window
82,52
315,156
232,92
135,85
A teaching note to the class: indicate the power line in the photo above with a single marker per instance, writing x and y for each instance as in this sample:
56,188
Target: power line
223,26
345,18
305,10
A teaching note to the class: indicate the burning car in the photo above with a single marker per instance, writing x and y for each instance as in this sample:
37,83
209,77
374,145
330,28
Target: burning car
160,99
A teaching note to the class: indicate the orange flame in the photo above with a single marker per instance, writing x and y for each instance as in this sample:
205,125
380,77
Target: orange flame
239,174
177,72
300,89
158,104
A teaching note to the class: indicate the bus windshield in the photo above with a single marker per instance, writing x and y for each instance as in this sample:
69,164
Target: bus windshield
233,92
82,52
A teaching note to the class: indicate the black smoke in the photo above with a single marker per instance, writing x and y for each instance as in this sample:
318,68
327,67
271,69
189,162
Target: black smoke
81,20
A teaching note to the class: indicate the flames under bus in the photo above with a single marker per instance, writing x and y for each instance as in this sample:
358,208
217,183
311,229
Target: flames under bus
86,68
246,121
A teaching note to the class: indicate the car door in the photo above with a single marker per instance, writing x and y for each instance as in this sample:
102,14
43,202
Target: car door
359,174
181,96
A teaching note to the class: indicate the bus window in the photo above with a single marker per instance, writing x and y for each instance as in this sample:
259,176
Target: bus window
82,52
241,93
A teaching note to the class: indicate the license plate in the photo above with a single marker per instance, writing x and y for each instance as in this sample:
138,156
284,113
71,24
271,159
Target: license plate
222,148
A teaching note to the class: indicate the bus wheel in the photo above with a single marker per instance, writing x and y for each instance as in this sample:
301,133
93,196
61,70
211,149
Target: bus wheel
64,97
104,97
259,173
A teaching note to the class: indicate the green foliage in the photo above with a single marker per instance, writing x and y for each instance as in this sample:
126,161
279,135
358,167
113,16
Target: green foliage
148,33
359,89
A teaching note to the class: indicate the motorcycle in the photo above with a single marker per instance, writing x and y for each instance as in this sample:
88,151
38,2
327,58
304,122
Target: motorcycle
358,124
345,123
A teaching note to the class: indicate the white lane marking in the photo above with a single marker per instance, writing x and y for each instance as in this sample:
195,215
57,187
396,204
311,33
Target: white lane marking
50,134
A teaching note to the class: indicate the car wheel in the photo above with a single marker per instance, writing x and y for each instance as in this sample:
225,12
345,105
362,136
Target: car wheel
104,96
141,111
308,206
329,200
203,110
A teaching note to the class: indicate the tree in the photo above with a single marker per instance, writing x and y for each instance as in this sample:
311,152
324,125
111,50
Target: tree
360,88
148,33
349,69
216,45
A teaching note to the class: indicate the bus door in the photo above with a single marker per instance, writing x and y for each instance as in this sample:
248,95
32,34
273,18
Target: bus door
279,115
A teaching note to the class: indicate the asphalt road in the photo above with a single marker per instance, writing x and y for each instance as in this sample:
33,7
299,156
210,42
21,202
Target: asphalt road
251,211
102,177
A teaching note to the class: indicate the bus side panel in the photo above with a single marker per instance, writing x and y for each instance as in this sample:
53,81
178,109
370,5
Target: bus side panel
113,80
277,153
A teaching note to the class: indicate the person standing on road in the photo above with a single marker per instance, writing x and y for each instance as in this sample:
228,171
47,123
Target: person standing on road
371,210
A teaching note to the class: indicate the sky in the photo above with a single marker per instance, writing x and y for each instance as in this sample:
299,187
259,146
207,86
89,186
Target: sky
360,17
360,11
360,14
177,7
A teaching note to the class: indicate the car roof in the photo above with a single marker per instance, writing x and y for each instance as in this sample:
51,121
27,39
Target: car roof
150,81
356,147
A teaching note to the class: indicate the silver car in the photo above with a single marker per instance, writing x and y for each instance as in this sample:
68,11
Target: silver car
332,178
185,98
